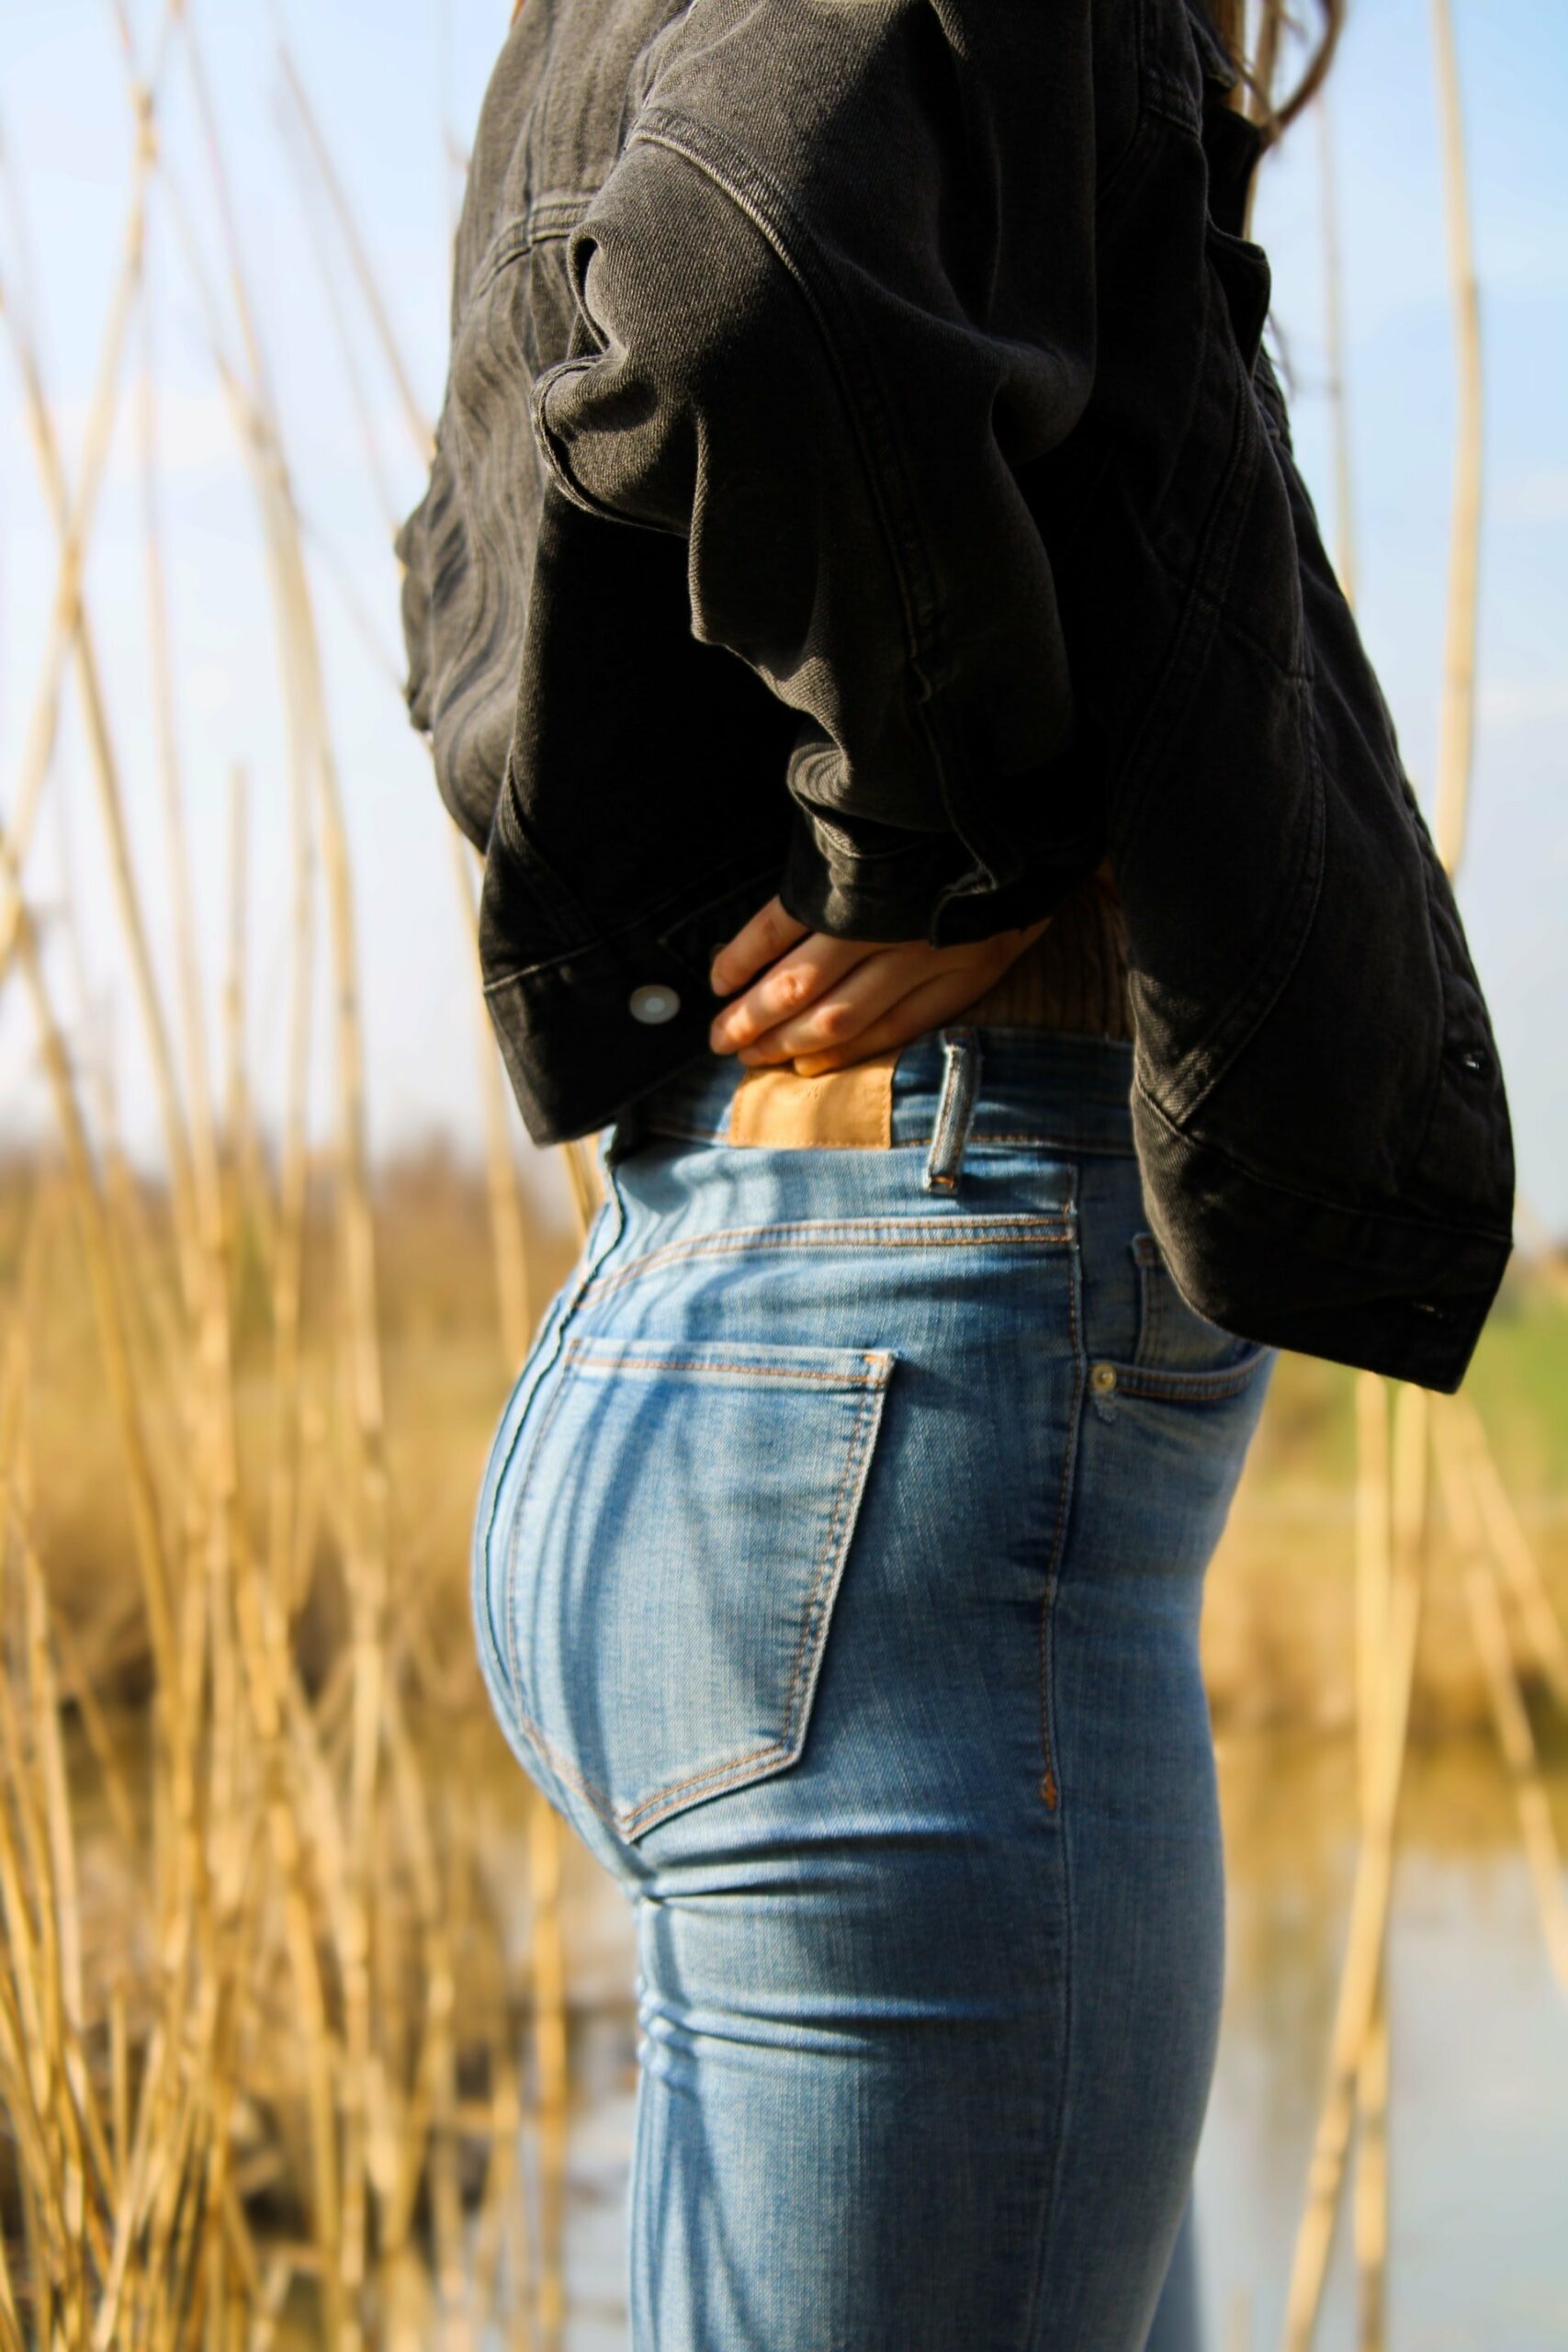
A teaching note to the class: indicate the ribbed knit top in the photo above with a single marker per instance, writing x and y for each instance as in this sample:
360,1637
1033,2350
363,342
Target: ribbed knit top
1074,976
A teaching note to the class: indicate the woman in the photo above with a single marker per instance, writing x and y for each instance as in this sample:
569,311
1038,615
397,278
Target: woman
1018,974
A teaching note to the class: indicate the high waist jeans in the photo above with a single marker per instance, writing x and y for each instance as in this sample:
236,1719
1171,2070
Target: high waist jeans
837,1573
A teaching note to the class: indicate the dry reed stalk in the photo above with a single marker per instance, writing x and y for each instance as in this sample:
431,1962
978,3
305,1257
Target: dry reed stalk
1374,1568
76,1690
72,518
1230,22
548,1958
288,1239
354,375
1455,765
48,1748
291,585
1334,325
1265,59
98,1256
267,1680
1456,742
69,632
1510,1716
582,1169
414,416
1510,1546
245,1194
1517,1744
503,2214
1370,2195
545,1830
231,1571
1356,2006
1374,1564
436,2072
505,1209
365,1565
165,730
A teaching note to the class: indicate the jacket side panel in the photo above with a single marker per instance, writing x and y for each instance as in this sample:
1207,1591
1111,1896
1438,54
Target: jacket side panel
1325,1135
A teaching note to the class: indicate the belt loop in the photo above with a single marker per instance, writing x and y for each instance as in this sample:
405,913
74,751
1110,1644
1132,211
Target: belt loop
960,1084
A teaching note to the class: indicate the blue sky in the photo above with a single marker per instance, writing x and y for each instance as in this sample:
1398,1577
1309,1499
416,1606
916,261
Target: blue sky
393,85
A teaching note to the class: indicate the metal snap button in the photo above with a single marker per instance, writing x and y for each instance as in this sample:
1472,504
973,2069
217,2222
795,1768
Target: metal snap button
652,1004
1102,1379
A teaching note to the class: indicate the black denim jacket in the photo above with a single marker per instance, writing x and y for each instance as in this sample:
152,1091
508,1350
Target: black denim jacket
859,476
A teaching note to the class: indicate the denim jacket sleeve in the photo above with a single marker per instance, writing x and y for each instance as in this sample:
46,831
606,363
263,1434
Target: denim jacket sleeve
832,403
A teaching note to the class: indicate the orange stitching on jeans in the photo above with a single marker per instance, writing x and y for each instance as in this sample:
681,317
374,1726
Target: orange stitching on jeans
783,1744
1180,1388
580,1352
853,1463
935,1233
631,1818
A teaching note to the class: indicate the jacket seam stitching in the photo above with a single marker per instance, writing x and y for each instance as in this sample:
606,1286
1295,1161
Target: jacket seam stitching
1204,1067
1324,1201
595,943
762,203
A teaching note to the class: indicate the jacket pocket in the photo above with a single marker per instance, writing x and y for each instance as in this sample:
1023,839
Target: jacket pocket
679,1529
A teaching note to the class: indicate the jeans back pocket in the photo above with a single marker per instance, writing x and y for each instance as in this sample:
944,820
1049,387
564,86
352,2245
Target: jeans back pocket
678,1525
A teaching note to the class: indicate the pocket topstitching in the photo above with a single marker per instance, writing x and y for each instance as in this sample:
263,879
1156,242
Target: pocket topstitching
678,1535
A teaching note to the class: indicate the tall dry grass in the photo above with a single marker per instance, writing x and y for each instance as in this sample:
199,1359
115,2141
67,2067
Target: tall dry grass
264,2060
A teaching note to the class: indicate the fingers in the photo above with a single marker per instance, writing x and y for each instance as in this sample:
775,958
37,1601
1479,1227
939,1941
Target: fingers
846,1006
795,981
822,1002
758,942
925,1006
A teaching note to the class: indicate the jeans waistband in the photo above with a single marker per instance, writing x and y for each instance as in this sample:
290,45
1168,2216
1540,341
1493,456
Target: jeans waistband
1027,1087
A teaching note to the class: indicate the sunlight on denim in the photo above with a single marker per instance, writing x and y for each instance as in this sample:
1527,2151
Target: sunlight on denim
837,1573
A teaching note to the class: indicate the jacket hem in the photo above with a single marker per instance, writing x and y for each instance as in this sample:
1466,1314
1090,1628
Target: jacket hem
1384,1290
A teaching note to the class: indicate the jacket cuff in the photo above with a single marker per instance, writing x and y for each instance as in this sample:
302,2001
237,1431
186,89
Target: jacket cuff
928,887
832,884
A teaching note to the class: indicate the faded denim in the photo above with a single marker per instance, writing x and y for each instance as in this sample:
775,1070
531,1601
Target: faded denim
860,477
837,1573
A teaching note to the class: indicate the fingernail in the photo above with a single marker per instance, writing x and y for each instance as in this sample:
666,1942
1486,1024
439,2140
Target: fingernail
714,983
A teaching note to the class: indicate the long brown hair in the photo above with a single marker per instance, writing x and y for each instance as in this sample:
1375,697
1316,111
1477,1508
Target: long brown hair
1262,63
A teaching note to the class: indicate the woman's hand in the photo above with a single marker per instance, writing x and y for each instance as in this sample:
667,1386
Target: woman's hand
823,1002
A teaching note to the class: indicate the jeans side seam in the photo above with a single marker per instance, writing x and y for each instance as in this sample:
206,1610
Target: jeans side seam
1047,1669
1050,1786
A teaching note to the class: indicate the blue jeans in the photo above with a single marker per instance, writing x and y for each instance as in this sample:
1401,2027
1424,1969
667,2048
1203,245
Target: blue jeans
837,1574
